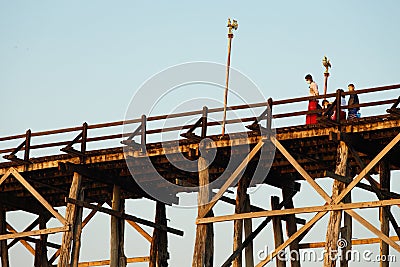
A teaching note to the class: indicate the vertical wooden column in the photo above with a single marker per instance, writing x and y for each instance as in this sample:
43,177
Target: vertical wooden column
241,196
332,234
384,175
70,216
291,225
346,233
203,249
77,234
248,229
159,245
41,246
277,228
122,257
116,232
3,243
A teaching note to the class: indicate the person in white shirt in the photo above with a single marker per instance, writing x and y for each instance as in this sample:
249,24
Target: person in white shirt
313,103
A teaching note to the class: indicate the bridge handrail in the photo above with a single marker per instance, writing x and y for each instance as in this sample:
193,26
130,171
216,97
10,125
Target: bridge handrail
196,112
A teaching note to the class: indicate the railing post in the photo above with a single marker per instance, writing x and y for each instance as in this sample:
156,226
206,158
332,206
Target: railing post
143,133
204,122
270,102
27,144
84,139
338,104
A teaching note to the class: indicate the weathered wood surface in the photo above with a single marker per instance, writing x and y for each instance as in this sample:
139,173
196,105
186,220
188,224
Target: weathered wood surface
384,176
277,229
335,219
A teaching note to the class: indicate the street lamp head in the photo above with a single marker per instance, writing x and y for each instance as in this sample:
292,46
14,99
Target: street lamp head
232,25
327,64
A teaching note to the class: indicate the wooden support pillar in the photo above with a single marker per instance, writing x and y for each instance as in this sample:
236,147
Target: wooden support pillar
70,216
77,234
277,228
248,229
116,244
346,233
159,245
204,248
384,175
332,234
41,246
241,196
3,243
291,225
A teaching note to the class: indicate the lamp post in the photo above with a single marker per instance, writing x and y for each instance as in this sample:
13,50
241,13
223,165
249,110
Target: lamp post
231,26
327,64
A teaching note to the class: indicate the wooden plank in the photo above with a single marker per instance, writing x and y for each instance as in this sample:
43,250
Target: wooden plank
202,257
335,219
5,176
124,216
23,242
107,262
140,230
373,229
300,169
70,215
35,232
355,242
38,196
231,179
28,228
277,229
324,208
384,176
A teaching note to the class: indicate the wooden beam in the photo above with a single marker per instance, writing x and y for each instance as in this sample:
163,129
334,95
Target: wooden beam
248,241
277,229
23,242
335,219
202,256
3,242
291,226
37,196
70,215
229,182
115,248
373,229
241,196
35,232
41,244
159,245
107,262
124,216
77,233
324,208
248,229
300,169
384,176
140,230
347,234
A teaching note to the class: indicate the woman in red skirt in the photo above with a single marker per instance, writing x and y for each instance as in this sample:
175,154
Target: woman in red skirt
313,104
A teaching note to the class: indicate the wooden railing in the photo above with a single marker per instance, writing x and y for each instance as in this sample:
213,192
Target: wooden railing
83,137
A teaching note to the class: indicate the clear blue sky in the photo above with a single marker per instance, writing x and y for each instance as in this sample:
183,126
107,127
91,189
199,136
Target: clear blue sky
66,62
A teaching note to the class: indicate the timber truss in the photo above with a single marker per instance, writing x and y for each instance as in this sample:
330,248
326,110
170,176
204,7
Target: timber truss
73,223
339,201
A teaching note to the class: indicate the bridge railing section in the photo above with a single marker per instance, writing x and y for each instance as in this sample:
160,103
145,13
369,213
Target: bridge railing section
84,135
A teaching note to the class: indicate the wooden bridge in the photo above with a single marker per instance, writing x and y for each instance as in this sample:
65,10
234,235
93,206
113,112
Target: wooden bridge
67,173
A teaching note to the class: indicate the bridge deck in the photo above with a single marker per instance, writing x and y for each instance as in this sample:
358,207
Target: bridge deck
312,145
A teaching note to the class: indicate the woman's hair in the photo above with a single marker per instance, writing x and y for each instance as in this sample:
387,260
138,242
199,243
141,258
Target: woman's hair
308,77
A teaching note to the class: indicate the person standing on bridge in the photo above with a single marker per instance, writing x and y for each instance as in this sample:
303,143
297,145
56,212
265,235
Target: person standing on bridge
353,100
313,103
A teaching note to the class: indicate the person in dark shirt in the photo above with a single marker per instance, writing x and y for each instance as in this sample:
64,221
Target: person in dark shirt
353,100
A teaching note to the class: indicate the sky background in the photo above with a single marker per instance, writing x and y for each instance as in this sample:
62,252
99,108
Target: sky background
66,62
